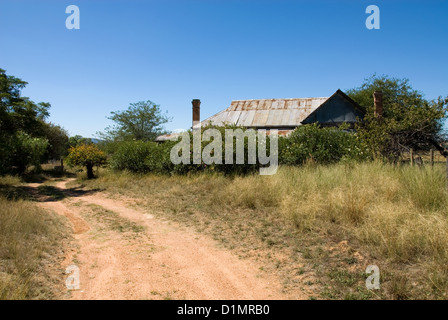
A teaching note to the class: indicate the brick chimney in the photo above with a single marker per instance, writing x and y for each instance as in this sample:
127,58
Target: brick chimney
196,111
378,101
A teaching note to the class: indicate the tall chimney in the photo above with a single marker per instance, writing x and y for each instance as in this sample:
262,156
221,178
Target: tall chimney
196,111
378,101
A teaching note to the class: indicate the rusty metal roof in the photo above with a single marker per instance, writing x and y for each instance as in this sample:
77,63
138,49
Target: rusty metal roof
266,112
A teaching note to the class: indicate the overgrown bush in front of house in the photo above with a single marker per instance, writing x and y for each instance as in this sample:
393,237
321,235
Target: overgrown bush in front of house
210,147
131,155
322,145
142,156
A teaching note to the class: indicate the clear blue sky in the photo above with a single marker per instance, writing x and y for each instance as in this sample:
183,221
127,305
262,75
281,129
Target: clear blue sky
218,51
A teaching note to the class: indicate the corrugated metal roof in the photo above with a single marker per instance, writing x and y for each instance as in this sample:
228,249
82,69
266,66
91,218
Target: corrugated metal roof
266,112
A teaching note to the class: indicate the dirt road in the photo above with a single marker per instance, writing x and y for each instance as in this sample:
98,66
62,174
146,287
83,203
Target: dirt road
126,252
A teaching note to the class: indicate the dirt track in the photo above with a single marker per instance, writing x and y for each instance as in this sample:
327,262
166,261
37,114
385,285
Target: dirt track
146,257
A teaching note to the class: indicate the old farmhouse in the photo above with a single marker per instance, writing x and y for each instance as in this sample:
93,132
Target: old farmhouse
282,114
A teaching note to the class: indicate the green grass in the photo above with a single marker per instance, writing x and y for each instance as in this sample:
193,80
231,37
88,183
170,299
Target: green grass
338,219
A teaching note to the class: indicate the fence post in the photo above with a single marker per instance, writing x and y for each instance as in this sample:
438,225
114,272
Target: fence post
431,156
411,154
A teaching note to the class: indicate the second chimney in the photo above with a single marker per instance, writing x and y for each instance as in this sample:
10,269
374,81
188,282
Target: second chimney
196,111
378,101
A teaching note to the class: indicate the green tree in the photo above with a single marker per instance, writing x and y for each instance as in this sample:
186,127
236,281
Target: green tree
141,121
408,121
27,150
20,119
78,140
17,112
57,141
86,155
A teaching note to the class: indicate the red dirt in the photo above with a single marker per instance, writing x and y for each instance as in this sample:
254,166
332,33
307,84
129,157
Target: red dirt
165,261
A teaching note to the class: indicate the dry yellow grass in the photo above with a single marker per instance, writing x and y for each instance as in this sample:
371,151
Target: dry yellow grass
341,218
31,242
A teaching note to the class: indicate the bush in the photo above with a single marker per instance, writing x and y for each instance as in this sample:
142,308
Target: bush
24,151
207,144
142,157
158,160
131,155
322,145
87,155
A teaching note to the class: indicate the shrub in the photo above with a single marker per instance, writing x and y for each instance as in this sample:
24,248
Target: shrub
131,155
143,157
209,147
158,160
26,151
87,155
322,145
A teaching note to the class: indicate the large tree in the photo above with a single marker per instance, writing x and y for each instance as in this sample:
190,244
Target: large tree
57,141
22,126
408,121
142,120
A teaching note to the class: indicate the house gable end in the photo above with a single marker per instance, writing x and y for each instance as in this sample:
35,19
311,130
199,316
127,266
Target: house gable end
337,109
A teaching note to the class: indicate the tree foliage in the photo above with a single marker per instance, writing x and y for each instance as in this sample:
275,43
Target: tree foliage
322,145
25,137
17,112
86,155
408,121
142,120
57,141
27,151
142,157
78,140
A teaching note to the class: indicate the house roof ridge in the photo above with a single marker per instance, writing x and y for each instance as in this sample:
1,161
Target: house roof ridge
281,99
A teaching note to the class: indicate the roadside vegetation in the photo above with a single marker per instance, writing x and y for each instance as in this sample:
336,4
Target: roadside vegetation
339,219
32,243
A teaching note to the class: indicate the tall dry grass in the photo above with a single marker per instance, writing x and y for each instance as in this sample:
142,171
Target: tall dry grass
397,216
31,243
